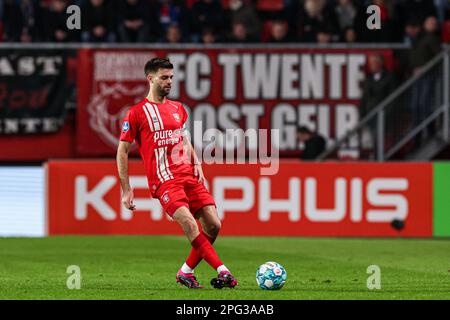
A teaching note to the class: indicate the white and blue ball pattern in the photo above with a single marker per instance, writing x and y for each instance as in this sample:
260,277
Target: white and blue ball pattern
271,276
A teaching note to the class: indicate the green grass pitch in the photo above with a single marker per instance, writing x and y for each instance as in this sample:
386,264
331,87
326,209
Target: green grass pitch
144,267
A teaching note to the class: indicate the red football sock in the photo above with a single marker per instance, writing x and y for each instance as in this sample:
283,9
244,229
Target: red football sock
206,250
194,257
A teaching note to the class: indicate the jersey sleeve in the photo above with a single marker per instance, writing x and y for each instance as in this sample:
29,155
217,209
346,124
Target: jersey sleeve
129,126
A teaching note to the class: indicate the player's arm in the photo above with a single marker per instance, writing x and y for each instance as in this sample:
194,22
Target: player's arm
122,167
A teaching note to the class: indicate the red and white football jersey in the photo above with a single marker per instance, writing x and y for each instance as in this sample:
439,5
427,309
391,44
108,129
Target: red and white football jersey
159,130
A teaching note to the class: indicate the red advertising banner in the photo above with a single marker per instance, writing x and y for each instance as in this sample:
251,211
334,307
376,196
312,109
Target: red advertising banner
266,88
302,199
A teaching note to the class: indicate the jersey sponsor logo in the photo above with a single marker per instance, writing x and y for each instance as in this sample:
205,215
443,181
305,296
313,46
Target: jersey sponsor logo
125,126
167,137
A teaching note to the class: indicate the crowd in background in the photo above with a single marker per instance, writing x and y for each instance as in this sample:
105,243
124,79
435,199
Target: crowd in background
219,21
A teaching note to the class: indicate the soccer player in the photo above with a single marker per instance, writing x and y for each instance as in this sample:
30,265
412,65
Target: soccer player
174,173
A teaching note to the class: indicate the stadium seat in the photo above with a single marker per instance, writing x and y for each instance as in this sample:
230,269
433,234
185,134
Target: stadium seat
270,5
265,34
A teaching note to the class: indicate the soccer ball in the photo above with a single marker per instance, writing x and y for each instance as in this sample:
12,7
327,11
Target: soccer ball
271,276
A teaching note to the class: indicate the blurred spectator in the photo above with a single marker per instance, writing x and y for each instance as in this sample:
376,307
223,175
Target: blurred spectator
239,34
345,13
206,14
173,34
349,35
306,20
314,143
412,30
133,21
170,12
411,35
98,22
377,86
208,36
240,11
379,83
323,35
21,21
55,23
427,46
279,32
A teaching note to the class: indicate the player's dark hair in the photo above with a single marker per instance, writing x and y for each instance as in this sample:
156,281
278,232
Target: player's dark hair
153,65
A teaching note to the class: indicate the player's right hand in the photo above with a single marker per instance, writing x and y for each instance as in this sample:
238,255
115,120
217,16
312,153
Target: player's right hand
127,200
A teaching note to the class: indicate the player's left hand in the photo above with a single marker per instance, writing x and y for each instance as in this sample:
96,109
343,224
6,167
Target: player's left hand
198,172
127,200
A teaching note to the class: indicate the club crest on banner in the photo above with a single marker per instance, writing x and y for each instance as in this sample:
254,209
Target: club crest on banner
108,108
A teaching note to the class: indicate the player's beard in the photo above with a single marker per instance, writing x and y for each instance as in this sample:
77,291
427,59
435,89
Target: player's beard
163,92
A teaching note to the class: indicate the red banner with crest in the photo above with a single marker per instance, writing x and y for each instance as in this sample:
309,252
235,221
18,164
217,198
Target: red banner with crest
266,88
